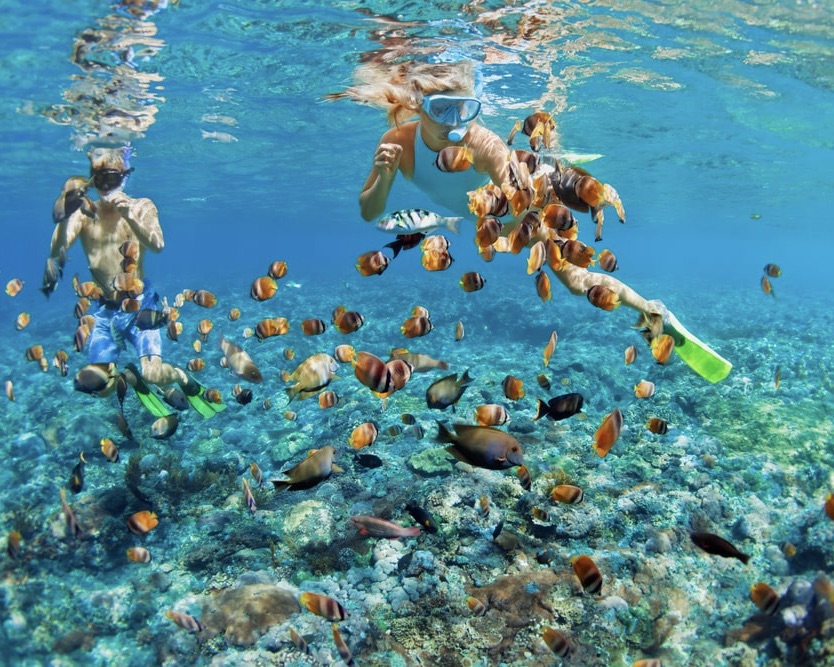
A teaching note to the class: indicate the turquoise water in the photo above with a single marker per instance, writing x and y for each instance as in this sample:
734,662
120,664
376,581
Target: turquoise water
713,124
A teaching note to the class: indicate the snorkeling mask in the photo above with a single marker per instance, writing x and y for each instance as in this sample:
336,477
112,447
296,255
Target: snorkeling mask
453,111
107,180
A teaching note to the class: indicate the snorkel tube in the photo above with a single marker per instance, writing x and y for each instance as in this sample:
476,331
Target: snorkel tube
458,133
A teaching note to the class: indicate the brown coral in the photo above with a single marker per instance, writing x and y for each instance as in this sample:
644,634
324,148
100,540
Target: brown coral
243,614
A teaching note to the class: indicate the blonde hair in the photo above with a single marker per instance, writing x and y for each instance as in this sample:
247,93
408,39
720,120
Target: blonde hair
399,88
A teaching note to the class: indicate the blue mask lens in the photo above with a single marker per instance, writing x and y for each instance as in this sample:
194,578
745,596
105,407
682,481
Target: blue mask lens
451,110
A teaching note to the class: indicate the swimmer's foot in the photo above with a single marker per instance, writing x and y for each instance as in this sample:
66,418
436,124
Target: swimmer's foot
699,356
195,393
147,397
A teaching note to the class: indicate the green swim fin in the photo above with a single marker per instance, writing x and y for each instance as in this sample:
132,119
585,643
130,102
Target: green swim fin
699,356
147,397
195,393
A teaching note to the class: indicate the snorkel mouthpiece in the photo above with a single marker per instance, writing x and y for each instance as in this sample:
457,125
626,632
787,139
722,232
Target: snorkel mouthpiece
458,133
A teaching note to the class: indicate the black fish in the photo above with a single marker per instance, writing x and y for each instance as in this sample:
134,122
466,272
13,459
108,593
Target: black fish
369,460
717,546
121,390
52,274
405,561
176,398
498,529
447,391
405,242
76,480
561,407
244,396
421,516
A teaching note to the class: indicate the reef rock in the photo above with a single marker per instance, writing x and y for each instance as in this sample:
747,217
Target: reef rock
244,613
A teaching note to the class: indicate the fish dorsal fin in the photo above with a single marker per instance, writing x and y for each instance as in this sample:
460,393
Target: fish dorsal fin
336,468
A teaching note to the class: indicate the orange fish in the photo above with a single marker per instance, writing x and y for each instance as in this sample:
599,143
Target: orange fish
142,522
577,253
557,217
523,474
327,399
372,263
400,371
602,297
174,330
536,259
513,387
607,261
543,381
196,364
313,326
436,260
767,288
488,229
248,497
363,435
454,158
204,298
588,573
459,331
239,362
608,432
477,607
491,414
472,281
550,348
204,327
234,314
323,606
185,621
14,286
657,425
344,353
567,493
644,389
662,347
829,506
22,321
372,372
772,270
543,288
630,354
349,321
764,597
127,283
558,642
272,326
109,449
519,237
483,505
138,555
288,353
414,327
263,288
10,390
488,200
13,543
341,646
73,528
435,243
277,270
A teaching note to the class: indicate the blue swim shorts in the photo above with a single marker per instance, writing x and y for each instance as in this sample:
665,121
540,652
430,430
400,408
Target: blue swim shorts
114,327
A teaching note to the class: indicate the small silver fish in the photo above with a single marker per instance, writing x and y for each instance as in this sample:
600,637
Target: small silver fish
411,220
219,137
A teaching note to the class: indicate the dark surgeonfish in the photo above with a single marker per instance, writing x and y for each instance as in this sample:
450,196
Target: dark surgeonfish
482,446
561,407
317,467
717,546
447,391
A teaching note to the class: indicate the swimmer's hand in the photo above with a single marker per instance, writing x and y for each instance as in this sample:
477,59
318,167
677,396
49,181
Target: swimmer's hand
387,159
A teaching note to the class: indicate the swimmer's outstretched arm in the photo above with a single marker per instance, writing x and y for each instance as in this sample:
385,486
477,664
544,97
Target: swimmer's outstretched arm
579,281
66,232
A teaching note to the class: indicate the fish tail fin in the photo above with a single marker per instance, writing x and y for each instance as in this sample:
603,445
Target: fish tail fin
453,224
395,246
541,409
444,434
744,558
292,392
466,378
